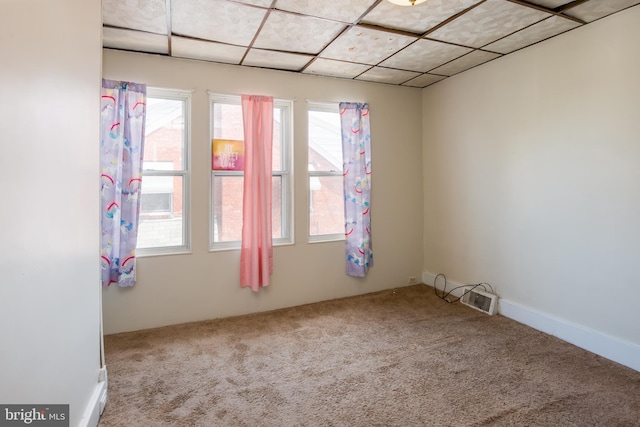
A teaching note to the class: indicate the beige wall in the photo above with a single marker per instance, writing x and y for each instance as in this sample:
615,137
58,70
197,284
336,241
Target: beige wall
205,285
49,232
532,176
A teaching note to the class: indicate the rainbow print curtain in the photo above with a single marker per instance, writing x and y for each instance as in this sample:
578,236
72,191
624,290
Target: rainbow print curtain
356,153
123,109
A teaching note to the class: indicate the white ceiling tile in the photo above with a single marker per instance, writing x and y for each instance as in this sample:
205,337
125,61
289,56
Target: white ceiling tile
488,22
261,3
143,15
417,19
207,51
282,30
424,55
533,34
288,34
329,67
594,9
277,60
464,63
134,40
387,75
423,80
549,4
365,46
216,20
344,11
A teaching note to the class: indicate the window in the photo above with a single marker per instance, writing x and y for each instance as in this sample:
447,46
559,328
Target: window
326,200
227,185
164,224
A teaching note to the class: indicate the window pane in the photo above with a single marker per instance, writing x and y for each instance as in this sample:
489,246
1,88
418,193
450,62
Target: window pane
157,184
227,121
326,205
161,213
228,193
326,197
155,203
164,134
277,139
276,208
227,208
325,141
227,124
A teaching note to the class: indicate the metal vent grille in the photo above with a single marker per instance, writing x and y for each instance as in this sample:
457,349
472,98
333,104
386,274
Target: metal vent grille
482,301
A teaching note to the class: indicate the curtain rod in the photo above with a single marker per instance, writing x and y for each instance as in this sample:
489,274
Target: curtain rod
313,101
215,92
306,100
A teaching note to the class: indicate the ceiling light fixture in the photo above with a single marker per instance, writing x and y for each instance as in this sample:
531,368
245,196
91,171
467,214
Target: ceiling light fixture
407,2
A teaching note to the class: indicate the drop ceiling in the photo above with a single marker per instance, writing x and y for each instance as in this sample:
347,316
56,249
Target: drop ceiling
371,40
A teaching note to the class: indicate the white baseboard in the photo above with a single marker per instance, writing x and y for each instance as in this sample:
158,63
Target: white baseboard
96,402
612,348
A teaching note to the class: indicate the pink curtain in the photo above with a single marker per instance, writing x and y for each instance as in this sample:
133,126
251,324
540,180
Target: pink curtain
256,256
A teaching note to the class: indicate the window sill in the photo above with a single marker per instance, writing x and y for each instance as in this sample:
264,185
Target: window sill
326,238
153,252
231,246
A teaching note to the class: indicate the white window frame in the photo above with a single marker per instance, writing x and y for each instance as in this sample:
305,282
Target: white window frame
319,238
185,173
285,173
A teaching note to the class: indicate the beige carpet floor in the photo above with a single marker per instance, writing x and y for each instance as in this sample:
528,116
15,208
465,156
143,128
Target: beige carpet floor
401,357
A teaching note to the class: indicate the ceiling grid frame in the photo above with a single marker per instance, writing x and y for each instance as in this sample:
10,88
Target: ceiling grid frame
365,40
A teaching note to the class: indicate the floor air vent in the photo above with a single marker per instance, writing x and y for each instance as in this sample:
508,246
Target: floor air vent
482,301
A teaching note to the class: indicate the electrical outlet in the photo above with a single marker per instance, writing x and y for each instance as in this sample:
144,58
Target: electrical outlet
411,280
